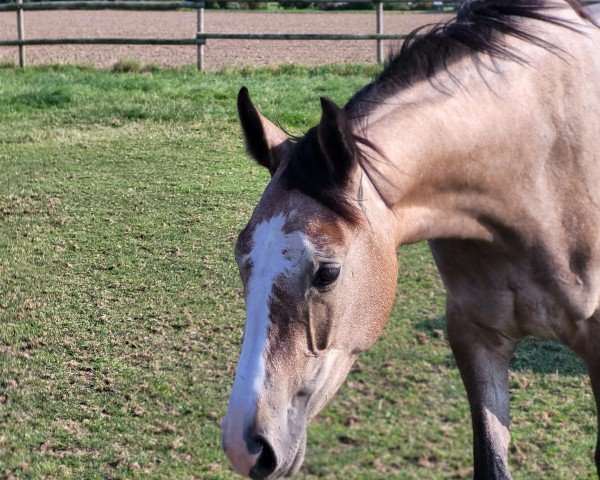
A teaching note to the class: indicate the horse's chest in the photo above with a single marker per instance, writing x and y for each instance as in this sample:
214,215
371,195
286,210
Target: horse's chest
537,313
499,294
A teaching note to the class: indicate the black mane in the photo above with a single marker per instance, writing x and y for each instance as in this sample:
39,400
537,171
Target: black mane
480,27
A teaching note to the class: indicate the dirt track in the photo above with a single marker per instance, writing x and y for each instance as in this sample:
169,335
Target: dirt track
56,24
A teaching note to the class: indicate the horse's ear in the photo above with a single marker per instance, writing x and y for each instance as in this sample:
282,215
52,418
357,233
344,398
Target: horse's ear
336,142
262,137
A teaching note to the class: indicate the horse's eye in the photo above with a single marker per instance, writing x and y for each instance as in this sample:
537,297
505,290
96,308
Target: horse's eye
326,275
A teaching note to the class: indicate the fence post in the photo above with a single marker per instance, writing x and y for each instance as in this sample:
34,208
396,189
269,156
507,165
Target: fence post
21,34
200,29
379,31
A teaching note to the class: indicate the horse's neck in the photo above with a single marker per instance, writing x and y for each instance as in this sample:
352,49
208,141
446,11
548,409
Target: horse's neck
499,149
453,160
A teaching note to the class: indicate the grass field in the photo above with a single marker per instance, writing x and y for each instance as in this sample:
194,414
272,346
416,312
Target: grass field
120,309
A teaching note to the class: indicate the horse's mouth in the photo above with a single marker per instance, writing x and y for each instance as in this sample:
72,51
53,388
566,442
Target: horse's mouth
299,458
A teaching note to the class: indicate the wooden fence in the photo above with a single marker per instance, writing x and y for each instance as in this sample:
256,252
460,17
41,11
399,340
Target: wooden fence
201,37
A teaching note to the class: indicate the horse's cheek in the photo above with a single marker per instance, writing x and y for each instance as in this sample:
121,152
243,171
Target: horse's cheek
320,316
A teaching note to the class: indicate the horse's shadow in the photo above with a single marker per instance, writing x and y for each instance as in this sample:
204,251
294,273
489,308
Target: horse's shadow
532,355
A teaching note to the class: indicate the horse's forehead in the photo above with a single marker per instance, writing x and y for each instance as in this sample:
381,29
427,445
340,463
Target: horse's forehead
290,213
291,227
270,242
320,228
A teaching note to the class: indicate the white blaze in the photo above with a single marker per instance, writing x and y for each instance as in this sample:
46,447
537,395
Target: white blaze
268,259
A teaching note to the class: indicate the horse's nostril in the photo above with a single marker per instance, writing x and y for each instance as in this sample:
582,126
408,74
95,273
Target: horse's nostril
300,402
302,393
266,463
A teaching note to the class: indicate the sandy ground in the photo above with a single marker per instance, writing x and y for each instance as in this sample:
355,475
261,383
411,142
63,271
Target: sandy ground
109,23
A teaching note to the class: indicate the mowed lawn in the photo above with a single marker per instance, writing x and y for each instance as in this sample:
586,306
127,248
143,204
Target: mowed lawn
121,314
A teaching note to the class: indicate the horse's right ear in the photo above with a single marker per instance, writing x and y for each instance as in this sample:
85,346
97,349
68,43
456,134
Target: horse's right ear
262,136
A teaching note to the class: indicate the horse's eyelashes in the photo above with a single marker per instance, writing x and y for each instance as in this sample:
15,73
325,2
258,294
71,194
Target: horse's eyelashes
326,275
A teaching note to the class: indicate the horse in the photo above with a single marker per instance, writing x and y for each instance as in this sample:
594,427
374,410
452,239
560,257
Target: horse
480,136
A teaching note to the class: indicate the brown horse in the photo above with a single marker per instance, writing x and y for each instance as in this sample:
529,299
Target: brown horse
482,136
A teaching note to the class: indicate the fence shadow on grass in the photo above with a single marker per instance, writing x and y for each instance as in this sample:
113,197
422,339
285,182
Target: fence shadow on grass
534,355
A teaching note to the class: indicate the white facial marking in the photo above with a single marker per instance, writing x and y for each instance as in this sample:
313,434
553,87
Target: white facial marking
273,253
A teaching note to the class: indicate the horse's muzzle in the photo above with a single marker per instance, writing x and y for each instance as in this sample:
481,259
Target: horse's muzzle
256,454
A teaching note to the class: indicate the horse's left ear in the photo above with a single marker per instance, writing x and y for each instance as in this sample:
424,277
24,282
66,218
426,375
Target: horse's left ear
262,136
336,142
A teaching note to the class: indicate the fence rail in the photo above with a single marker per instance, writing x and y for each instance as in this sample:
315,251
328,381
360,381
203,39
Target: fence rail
103,41
299,36
162,5
104,5
201,36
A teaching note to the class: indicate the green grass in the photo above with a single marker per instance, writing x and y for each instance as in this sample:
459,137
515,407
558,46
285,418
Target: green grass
121,195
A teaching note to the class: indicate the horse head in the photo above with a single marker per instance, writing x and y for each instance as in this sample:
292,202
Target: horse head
319,272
